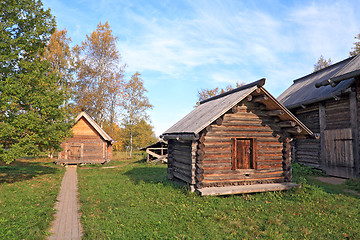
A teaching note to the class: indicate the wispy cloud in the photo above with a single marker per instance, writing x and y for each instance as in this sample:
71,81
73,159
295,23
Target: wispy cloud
203,44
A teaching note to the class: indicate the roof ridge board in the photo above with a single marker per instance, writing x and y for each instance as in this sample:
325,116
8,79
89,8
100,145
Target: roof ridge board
230,106
341,77
258,83
323,69
329,96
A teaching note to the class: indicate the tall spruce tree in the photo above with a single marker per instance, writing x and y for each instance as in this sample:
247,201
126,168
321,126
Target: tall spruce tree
32,119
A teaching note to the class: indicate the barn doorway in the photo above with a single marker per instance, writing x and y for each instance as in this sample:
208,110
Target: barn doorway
243,153
75,153
339,146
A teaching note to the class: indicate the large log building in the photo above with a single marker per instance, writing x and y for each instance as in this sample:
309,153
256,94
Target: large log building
328,101
236,142
89,144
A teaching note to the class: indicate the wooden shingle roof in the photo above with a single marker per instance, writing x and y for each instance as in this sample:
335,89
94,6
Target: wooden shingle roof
97,128
322,85
213,108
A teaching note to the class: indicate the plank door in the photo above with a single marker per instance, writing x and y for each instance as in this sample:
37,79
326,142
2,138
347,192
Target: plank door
339,145
243,155
75,152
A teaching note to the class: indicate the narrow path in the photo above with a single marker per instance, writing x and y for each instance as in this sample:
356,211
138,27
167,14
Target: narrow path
67,219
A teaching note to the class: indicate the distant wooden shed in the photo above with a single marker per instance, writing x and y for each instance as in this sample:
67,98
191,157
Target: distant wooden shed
236,142
89,144
328,102
156,152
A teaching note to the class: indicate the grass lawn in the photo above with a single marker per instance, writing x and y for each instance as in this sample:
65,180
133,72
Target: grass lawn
28,191
133,200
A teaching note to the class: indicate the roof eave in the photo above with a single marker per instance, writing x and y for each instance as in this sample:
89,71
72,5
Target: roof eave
308,132
327,97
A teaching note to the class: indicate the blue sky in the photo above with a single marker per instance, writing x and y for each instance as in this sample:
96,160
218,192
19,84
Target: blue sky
180,47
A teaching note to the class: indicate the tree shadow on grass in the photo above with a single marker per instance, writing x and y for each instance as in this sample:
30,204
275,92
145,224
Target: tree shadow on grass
149,175
21,170
153,175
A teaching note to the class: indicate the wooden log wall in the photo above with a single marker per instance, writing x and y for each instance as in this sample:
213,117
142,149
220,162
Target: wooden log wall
92,150
338,135
337,121
214,149
308,151
338,113
181,161
356,134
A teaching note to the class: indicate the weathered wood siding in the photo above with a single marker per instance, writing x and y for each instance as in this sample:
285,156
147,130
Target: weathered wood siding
83,128
214,160
308,151
336,152
181,160
86,146
338,113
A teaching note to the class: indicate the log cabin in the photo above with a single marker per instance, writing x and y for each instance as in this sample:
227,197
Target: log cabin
236,142
327,102
89,143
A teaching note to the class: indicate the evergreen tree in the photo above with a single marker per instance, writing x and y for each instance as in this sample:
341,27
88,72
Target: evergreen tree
31,117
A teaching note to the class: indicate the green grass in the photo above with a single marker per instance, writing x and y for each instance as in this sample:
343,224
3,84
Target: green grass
135,201
28,191
353,184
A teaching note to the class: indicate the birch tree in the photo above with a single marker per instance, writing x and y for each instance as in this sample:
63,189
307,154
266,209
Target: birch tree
135,105
99,75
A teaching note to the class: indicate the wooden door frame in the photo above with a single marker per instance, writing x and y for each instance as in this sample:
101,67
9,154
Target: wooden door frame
253,145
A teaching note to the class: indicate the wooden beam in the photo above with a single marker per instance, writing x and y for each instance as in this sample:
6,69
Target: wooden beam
275,112
260,98
183,137
184,178
219,121
246,189
322,123
354,129
249,98
294,130
234,109
285,124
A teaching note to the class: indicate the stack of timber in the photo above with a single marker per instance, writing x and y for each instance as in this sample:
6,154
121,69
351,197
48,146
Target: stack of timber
234,141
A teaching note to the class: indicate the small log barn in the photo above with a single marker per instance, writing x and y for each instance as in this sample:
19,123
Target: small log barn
89,144
328,101
236,142
156,152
